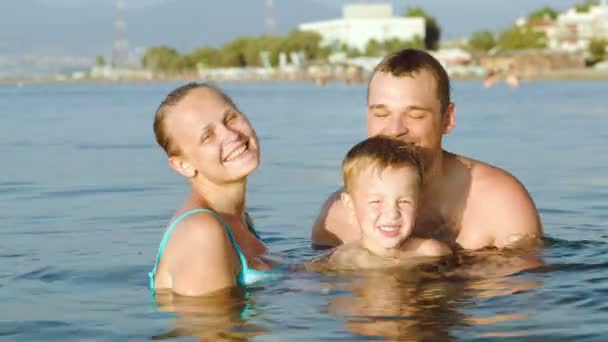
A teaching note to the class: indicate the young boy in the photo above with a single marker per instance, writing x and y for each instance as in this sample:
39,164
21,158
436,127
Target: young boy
382,178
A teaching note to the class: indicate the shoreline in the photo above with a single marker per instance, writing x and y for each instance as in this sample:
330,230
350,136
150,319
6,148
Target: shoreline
587,74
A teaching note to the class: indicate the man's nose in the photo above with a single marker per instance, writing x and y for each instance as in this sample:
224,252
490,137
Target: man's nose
397,127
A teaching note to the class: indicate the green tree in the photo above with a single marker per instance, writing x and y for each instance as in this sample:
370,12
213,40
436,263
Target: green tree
518,38
543,13
394,45
206,56
181,64
586,5
272,44
597,49
432,30
373,48
100,61
160,58
245,51
233,53
482,40
306,41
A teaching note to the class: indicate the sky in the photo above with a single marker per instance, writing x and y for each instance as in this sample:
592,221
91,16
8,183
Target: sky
85,27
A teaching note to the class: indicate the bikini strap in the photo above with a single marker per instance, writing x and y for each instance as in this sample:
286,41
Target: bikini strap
251,227
163,243
232,240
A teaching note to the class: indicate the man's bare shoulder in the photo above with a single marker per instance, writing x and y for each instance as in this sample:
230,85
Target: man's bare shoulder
333,227
499,204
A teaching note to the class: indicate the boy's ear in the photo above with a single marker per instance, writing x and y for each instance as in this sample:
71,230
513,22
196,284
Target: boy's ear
349,205
346,199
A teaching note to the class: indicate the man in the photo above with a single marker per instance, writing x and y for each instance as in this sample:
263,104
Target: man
464,202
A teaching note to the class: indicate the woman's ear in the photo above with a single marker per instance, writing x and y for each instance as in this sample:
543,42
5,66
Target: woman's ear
182,167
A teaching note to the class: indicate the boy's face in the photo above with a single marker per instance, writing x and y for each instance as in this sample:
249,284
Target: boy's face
384,204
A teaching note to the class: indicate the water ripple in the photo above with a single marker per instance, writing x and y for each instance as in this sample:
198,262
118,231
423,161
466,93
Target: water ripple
45,274
93,191
8,328
102,147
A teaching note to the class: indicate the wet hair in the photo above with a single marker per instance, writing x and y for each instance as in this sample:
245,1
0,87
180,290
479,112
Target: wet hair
380,153
173,98
407,62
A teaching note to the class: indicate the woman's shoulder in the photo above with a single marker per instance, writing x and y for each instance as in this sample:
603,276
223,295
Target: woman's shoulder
196,235
199,227
199,255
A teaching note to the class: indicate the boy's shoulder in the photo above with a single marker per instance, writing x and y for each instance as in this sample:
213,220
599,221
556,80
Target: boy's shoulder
427,247
350,255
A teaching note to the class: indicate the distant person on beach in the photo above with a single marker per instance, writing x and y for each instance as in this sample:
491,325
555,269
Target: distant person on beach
492,76
463,202
210,243
512,79
382,178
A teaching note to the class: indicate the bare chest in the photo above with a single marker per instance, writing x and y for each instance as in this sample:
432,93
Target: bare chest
456,227
440,225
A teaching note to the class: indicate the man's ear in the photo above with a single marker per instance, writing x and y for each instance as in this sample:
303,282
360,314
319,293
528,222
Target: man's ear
182,167
448,119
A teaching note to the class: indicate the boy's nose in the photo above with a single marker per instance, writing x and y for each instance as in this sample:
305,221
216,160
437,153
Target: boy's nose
393,212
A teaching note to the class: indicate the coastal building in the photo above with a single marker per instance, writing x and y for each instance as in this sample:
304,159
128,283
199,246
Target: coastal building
574,30
363,22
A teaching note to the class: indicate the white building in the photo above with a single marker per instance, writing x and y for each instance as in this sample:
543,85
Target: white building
574,30
362,22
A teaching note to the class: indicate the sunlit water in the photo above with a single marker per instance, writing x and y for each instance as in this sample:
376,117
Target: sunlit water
85,194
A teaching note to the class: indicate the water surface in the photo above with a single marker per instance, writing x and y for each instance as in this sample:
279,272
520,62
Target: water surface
85,194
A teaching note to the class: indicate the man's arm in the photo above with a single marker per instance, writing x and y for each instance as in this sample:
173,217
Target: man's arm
332,227
508,211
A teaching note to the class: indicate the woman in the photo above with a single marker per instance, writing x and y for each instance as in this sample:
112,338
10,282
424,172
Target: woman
211,243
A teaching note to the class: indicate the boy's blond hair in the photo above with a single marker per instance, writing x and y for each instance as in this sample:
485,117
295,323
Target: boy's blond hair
380,153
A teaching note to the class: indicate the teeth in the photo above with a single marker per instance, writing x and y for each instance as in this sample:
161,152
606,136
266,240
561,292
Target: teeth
388,228
236,152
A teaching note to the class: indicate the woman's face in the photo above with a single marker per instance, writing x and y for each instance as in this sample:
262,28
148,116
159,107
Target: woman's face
215,140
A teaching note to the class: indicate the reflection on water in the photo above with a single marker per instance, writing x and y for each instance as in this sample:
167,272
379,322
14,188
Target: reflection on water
423,306
219,317
391,306
428,303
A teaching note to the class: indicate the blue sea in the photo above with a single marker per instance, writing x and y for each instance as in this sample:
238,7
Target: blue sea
85,195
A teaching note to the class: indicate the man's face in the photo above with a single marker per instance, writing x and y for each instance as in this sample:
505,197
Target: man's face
408,108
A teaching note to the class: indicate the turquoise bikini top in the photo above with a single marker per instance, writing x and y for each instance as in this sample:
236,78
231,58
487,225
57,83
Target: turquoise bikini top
247,275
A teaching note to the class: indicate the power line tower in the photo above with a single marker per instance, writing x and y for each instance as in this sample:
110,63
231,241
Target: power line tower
269,20
120,50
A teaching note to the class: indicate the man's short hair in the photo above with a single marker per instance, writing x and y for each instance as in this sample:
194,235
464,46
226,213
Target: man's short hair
380,153
409,61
